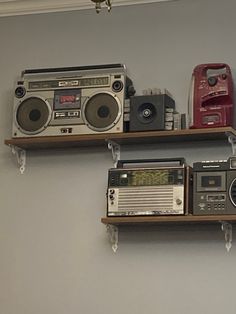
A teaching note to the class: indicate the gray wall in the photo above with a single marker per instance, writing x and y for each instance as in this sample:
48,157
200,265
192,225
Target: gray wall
55,257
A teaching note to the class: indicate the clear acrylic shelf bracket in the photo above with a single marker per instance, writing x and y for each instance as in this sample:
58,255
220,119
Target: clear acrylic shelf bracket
115,150
226,227
113,234
232,141
20,157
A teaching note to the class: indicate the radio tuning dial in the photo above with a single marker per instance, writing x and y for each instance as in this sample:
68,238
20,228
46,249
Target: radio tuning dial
178,201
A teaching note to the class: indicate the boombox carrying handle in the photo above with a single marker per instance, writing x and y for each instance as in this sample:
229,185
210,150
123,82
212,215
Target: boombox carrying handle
76,68
179,160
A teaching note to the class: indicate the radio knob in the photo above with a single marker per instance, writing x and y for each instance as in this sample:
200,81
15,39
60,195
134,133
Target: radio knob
212,81
178,201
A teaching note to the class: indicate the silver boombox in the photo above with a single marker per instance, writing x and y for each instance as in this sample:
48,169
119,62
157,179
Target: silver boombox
71,101
143,189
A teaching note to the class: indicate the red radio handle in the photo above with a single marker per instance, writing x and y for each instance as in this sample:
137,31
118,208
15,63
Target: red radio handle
215,66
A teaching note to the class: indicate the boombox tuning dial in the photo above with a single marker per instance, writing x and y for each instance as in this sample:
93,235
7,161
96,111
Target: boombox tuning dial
20,91
117,86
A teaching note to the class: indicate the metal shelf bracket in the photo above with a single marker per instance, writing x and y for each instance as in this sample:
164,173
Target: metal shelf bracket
20,156
113,236
115,150
232,141
226,227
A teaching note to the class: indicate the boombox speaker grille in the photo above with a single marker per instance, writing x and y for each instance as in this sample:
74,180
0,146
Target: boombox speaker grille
233,192
101,111
32,115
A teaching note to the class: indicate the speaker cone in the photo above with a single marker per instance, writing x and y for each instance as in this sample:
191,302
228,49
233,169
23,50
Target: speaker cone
33,115
146,112
102,111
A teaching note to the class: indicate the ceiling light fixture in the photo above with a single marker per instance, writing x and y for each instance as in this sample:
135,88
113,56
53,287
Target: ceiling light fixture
98,5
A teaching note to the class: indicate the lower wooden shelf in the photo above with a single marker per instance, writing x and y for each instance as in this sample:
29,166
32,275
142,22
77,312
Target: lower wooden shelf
113,223
167,219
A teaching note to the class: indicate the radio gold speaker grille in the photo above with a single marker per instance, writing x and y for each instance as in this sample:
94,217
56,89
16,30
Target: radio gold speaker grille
102,111
32,115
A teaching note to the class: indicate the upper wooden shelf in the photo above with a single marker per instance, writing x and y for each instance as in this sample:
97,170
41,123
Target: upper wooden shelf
148,137
142,220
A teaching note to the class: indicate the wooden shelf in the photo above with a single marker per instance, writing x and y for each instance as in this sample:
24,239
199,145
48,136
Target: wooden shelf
148,137
144,220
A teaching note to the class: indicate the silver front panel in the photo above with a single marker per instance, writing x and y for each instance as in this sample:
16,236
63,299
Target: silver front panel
146,200
71,121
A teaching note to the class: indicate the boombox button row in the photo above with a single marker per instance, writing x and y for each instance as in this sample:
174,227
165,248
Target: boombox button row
60,114
73,114
67,114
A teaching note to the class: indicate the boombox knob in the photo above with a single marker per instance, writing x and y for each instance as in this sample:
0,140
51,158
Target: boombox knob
117,86
20,91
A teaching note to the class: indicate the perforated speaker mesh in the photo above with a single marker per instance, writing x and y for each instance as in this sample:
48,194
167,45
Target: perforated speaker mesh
233,192
101,111
32,115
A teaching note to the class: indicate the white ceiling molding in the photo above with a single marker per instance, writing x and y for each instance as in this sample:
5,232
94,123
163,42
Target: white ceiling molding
22,7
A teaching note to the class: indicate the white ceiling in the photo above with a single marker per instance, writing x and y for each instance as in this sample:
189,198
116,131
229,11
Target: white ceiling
21,7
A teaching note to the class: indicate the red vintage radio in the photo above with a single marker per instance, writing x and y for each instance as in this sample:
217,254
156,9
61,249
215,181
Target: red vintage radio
211,96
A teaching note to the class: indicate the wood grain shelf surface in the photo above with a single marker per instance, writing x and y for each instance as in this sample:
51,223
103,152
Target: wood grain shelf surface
150,137
132,220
